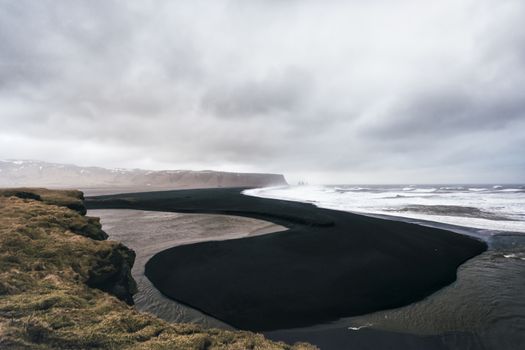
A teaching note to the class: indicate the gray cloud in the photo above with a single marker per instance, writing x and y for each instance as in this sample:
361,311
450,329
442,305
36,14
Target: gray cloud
269,97
340,91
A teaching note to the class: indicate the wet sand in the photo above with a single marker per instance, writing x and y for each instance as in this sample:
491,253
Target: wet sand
470,313
149,232
328,265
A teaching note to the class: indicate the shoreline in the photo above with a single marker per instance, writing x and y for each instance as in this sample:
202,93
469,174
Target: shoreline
166,230
65,286
328,265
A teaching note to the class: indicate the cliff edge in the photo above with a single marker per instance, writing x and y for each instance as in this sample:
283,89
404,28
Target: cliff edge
64,286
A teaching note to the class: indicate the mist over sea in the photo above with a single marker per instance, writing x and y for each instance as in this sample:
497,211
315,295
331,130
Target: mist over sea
483,309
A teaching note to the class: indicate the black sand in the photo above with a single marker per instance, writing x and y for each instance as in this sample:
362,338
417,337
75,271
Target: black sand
329,264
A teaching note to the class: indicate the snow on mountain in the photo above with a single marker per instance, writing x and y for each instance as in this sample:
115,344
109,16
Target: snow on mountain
15,173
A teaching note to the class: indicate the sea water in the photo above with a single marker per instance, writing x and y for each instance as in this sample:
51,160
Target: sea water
483,309
490,207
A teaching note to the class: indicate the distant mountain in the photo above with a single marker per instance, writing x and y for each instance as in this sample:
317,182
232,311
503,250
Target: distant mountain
36,173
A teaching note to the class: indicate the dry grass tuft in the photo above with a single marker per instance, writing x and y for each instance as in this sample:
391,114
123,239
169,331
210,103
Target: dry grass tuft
50,255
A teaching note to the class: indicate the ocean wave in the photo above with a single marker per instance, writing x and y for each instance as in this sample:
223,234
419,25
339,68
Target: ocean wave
351,189
481,206
417,189
452,188
452,210
425,190
397,196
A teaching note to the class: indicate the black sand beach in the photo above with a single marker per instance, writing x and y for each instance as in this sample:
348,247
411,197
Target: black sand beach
166,230
328,265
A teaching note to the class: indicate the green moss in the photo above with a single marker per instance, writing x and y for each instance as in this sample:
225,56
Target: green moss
50,257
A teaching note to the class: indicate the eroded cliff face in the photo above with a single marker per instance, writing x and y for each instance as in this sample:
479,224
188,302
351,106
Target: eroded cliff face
112,273
64,286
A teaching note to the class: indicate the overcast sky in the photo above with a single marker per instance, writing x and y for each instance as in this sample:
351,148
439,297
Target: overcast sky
350,91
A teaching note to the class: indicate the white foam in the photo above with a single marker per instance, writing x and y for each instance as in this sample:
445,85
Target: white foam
424,190
360,327
396,201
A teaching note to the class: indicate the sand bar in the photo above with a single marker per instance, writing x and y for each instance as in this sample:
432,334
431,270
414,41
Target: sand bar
328,265
149,232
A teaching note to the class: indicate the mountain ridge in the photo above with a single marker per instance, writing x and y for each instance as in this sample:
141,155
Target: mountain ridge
15,172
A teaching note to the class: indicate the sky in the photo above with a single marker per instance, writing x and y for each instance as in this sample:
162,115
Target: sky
350,91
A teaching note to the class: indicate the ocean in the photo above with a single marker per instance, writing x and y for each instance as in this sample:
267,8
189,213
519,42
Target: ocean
483,309
487,207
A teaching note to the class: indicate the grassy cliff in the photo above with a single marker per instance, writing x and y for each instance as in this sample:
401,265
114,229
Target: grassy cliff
64,286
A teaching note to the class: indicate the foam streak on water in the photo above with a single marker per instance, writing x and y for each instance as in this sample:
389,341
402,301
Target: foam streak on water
483,309
488,207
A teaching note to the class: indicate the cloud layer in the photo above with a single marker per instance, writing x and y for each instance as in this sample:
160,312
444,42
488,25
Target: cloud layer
338,91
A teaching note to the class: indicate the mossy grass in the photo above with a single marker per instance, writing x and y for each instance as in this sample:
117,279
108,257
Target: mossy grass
51,255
